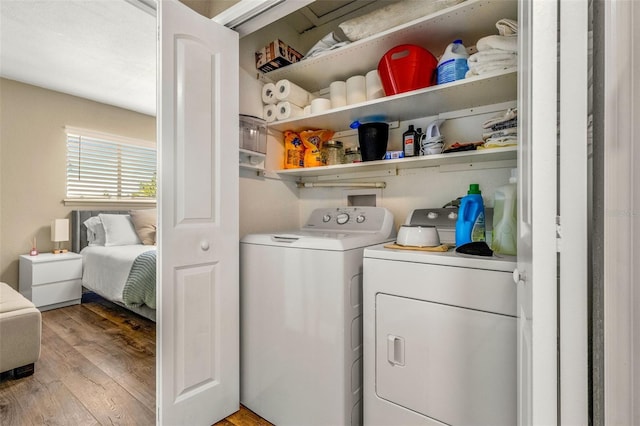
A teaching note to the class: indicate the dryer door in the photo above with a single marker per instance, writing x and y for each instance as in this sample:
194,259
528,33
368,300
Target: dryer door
452,364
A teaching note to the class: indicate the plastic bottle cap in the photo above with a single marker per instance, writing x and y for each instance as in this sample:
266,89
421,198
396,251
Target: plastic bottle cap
410,127
474,188
458,41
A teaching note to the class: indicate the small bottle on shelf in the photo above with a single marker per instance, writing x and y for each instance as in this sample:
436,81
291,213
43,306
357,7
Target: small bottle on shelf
409,139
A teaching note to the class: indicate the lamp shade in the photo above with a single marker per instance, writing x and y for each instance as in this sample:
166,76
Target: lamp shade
60,230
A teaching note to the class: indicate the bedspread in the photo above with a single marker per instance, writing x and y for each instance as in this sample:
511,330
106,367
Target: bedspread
140,288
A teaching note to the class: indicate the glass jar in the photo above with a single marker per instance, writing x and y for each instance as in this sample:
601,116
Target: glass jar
332,153
352,155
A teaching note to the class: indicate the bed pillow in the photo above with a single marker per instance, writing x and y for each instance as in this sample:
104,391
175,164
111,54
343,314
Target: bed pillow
95,231
144,222
118,230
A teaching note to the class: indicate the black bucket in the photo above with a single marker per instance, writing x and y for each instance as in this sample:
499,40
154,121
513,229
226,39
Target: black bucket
373,138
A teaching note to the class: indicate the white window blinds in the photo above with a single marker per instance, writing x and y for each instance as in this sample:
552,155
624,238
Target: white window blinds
109,167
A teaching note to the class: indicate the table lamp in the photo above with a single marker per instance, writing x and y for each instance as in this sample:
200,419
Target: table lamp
59,233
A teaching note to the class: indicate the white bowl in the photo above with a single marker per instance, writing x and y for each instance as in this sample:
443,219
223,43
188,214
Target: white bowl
418,236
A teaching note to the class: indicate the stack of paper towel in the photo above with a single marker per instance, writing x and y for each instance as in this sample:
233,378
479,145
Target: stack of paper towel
284,100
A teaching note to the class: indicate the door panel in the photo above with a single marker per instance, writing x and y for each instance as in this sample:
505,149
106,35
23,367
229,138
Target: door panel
198,329
537,209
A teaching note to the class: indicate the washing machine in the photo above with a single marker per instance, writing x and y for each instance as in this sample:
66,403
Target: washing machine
301,317
439,334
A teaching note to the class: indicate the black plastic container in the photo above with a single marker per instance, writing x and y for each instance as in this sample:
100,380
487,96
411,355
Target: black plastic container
373,138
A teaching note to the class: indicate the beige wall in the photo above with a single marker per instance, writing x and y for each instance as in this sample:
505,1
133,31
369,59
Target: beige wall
33,157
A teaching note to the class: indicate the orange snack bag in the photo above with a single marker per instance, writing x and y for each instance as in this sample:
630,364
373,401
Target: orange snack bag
313,140
293,150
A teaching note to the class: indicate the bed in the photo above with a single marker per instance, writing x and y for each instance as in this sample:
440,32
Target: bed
118,256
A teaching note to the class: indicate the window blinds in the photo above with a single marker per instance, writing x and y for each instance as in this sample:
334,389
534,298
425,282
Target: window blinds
103,167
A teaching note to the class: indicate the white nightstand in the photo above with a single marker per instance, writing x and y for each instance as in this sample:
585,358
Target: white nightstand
51,280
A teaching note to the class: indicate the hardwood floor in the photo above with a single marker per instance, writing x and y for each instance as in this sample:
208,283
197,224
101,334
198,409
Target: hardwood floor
97,367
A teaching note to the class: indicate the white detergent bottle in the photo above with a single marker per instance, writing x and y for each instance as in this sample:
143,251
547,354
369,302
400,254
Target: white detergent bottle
505,239
453,63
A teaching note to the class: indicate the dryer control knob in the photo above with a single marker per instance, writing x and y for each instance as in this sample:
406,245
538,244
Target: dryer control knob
326,218
360,219
432,215
453,215
342,218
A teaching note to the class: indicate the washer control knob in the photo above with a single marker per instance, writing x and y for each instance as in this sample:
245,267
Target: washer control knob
360,219
326,218
453,215
432,215
342,218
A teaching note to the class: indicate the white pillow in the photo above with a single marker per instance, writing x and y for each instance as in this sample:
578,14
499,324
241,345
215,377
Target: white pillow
119,230
95,231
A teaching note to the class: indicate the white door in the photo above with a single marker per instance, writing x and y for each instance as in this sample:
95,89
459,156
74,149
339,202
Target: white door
537,189
198,327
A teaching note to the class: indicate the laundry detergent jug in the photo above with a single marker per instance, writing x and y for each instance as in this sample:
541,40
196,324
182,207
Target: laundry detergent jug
453,65
470,224
504,218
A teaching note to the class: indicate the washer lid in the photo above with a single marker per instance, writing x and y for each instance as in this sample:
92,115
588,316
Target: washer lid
339,228
450,258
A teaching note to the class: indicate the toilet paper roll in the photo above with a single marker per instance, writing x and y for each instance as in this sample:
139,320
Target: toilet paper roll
269,94
291,92
320,105
338,94
373,85
286,110
269,113
307,110
356,91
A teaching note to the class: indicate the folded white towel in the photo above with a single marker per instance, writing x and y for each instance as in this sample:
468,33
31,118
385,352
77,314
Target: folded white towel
507,27
509,43
487,68
492,55
499,133
507,115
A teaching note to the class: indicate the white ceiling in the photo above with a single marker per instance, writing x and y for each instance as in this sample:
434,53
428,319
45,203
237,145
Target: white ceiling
103,50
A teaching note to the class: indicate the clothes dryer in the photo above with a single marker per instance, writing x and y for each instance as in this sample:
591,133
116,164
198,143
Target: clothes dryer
301,317
439,335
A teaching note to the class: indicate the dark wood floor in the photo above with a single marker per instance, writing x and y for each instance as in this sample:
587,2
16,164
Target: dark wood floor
97,367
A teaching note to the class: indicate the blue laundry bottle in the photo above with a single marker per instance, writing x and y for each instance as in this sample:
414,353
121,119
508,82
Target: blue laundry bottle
470,224
453,63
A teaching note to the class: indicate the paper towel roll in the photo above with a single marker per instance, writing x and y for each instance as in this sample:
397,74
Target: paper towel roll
320,105
286,110
288,91
338,94
374,85
269,113
356,91
269,93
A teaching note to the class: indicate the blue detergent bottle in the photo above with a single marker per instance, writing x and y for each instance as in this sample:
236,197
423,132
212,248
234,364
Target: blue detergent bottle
470,225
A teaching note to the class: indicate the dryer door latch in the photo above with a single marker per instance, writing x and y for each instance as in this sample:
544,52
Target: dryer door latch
395,350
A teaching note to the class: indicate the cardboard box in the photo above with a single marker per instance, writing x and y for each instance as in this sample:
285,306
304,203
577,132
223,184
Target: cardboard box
276,54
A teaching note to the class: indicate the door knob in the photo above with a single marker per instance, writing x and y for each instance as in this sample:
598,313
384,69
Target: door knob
518,277
204,245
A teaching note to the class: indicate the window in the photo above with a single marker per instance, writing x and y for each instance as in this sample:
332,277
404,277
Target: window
102,166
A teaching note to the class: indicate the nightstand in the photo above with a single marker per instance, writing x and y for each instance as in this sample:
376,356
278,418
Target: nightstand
51,280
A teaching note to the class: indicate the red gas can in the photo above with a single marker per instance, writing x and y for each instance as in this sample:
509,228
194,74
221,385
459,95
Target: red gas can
407,67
